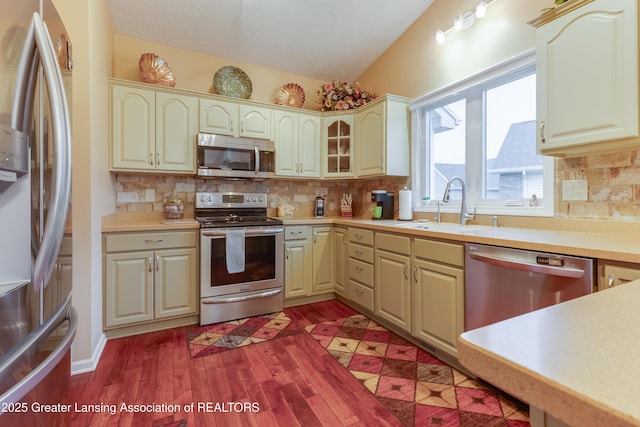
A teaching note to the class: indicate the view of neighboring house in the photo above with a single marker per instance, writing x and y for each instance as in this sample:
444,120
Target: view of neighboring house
515,173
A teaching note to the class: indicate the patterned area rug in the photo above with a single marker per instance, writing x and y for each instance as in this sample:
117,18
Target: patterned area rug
418,388
209,339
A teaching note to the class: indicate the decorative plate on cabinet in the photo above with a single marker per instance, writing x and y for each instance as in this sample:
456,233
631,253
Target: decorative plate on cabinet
155,70
291,95
232,81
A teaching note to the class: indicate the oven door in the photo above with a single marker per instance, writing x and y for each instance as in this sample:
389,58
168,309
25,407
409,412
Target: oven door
263,256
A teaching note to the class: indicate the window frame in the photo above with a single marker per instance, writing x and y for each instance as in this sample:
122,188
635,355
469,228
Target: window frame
509,70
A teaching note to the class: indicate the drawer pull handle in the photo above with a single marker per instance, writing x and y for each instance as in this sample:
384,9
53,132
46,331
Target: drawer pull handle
610,280
150,264
359,269
153,240
359,292
415,274
542,138
406,274
157,262
359,236
359,253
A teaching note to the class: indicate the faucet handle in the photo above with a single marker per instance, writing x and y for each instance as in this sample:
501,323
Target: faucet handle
471,216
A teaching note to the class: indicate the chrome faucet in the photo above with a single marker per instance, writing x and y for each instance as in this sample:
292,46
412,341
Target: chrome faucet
464,215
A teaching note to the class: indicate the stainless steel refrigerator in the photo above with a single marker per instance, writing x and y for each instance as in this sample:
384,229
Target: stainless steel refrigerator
37,320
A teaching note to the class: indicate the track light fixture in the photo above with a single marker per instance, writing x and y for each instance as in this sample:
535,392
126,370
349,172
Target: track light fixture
465,20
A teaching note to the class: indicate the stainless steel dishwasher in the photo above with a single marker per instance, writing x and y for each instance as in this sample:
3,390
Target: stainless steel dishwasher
502,282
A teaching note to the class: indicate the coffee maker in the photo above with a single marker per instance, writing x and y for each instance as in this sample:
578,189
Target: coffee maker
385,200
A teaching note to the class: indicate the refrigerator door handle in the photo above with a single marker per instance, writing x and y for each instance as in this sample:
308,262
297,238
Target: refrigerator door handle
61,173
33,340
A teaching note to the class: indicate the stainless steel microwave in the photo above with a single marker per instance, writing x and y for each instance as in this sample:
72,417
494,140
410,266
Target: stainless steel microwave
230,157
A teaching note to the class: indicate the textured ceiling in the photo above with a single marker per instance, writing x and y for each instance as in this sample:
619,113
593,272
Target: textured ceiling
327,39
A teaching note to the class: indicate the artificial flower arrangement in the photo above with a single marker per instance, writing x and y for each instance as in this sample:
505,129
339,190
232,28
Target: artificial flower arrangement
335,95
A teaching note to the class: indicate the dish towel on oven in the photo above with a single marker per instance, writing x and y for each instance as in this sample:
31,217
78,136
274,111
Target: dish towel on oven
235,251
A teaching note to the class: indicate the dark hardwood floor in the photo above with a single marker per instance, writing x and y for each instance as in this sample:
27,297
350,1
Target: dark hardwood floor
288,381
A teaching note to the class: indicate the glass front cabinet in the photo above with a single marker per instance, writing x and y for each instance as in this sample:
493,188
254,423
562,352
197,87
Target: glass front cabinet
338,146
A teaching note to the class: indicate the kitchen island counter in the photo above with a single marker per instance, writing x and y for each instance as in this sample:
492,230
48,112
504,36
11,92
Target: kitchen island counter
576,361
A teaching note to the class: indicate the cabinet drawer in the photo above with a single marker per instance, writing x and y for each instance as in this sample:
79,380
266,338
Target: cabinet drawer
142,241
362,253
361,271
358,235
448,253
393,243
296,233
361,295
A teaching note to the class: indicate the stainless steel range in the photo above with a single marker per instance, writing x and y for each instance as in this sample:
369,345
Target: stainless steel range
241,257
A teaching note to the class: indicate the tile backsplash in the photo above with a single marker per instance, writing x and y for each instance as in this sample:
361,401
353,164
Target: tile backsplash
613,189
132,192
613,186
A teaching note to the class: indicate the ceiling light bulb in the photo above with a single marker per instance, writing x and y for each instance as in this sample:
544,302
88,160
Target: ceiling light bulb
481,10
440,37
458,23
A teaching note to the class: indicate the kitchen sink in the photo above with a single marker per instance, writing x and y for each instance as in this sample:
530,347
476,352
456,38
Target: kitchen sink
443,227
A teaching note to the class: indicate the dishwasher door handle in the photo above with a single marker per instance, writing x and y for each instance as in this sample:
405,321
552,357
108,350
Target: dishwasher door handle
573,273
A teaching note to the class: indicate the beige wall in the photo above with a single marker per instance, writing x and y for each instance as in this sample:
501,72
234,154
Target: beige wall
89,29
416,65
195,71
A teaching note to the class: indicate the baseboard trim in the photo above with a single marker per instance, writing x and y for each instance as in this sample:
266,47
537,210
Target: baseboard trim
90,365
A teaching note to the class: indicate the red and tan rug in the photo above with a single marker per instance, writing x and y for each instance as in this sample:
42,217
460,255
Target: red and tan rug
225,336
418,388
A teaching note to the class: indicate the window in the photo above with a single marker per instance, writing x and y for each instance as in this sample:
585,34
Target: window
483,130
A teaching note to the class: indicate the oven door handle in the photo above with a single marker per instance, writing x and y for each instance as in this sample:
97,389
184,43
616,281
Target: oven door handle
248,233
242,298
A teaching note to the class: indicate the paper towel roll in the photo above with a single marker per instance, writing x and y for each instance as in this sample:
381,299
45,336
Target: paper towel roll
405,204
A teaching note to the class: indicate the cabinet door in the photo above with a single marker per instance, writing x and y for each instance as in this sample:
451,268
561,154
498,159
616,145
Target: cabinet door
340,260
338,150
133,133
309,146
615,275
219,117
255,122
176,283
286,144
393,288
176,128
128,288
322,265
297,268
587,78
370,140
438,304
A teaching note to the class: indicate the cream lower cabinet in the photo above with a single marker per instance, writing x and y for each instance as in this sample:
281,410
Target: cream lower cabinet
438,293
322,269
297,261
615,274
360,267
392,279
308,261
149,277
340,256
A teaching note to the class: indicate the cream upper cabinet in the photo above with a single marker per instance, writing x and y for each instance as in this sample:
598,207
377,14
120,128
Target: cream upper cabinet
297,142
234,119
219,117
382,138
338,146
587,77
152,131
176,127
255,122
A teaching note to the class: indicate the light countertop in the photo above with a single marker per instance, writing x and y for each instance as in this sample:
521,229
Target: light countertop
578,360
619,247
